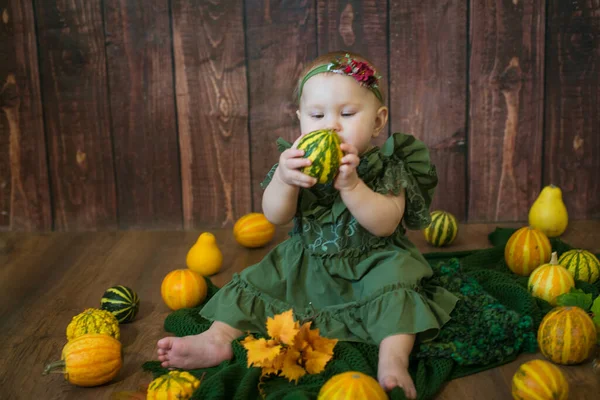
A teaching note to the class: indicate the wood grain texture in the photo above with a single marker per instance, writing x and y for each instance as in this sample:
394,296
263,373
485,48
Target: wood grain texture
572,143
41,290
280,39
428,53
24,187
142,101
359,26
506,85
77,117
212,108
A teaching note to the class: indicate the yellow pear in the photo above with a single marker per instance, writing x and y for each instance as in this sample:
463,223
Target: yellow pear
205,257
548,213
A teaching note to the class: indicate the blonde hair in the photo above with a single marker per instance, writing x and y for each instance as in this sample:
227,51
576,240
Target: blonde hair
327,58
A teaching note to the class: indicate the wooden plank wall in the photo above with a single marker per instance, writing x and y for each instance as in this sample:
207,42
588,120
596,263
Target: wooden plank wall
120,115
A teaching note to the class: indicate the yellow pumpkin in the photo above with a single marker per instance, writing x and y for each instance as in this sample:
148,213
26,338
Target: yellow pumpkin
93,320
183,288
539,380
550,281
567,335
253,230
89,360
527,249
351,385
174,385
205,257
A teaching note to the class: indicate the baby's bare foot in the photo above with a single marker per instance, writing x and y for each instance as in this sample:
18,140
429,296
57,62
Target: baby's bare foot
207,349
392,370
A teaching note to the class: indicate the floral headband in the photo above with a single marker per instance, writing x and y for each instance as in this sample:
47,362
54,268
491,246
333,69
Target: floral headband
364,74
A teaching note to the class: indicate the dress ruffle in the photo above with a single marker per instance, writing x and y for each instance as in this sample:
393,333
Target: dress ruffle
424,310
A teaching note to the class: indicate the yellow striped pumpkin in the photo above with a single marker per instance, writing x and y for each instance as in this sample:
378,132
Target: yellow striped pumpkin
183,288
351,385
539,380
89,360
442,230
527,249
567,335
583,265
173,385
550,281
322,147
253,230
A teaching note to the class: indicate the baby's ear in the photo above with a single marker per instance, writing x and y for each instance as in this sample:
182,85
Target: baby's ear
380,120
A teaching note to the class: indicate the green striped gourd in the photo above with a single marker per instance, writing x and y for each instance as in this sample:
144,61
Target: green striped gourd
582,264
122,302
322,147
442,230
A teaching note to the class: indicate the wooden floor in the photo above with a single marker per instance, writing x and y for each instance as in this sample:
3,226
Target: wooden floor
46,279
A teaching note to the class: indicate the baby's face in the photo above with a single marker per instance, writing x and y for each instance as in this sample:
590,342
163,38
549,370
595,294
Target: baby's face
334,101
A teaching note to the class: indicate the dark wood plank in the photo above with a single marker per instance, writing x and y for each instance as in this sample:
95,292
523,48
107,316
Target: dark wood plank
506,85
212,111
572,144
24,187
280,38
428,70
77,118
40,291
140,74
359,26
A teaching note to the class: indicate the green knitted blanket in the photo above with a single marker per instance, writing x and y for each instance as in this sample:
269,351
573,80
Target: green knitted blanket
495,320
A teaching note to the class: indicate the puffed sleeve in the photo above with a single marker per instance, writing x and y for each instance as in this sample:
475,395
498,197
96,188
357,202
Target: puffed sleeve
407,164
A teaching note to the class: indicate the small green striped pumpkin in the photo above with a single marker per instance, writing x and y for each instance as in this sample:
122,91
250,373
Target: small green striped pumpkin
122,302
322,147
442,230
582,264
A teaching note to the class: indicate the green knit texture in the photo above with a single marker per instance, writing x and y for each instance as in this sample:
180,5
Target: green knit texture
495,320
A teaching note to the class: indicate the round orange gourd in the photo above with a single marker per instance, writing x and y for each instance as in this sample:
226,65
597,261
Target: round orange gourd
539,380
173,385
183,288
567,335
89,360
527,249
253,230
351,385
550,281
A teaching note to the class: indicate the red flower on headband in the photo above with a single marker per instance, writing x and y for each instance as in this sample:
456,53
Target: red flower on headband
359,70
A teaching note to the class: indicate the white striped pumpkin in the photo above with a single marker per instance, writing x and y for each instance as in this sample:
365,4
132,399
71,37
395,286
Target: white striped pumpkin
550,281
442,230
539,380
583,265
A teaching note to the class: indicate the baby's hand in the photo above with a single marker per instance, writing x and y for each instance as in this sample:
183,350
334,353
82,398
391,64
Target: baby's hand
290,161
347,178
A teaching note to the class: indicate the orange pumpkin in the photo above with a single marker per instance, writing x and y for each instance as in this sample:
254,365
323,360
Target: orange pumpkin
183,288
539,380
253,230
351,385
527,249
567,335
89,360
173,385
550,281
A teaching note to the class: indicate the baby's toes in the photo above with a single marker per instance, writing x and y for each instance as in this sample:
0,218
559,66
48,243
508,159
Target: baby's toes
388,382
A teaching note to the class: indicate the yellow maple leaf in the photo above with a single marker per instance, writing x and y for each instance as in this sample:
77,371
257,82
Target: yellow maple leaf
283,328
315,361
275,365
301,340
260,350
291,369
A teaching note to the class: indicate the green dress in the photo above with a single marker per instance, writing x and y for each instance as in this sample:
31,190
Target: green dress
353,285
